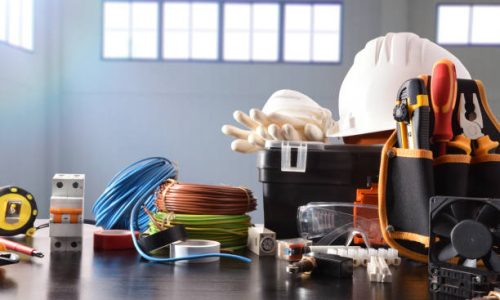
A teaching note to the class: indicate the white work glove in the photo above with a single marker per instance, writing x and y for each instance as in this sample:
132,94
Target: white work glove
288,115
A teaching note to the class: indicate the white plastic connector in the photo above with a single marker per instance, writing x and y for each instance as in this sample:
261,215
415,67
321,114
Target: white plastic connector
393,257
363,256
360,256
378,270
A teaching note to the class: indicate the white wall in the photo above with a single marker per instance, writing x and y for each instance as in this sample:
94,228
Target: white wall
117,112
25,102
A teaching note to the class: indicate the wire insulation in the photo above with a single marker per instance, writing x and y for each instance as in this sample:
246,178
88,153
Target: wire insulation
136,183
229,230
188,198
120,205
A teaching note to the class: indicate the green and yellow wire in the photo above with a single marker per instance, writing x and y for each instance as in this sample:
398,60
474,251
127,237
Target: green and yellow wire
229,230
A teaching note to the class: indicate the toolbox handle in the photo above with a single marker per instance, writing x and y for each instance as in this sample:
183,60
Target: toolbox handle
286,156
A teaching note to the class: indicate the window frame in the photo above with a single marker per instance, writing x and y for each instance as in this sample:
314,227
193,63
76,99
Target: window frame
220,41
33,28
469,33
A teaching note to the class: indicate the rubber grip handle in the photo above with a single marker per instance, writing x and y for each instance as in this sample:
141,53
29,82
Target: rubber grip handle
443,96
421,130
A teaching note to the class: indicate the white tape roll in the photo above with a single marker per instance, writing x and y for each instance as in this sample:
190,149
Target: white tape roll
195,247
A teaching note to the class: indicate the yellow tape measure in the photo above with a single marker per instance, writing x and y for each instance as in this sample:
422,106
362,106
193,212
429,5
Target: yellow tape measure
18,211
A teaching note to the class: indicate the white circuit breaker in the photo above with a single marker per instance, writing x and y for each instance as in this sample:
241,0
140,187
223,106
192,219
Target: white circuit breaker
66,212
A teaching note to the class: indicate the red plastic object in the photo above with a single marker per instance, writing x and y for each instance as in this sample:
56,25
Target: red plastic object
114,239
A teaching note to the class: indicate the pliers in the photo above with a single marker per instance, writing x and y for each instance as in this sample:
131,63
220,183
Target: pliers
472,126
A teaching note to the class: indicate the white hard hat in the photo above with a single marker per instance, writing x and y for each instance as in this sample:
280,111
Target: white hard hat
368,93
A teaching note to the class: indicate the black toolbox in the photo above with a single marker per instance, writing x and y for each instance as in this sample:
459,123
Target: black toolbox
294,174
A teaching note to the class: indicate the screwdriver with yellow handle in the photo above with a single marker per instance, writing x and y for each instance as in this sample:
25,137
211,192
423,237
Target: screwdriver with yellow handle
412,115
443,97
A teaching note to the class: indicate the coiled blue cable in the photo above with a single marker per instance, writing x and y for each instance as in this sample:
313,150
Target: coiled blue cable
120,205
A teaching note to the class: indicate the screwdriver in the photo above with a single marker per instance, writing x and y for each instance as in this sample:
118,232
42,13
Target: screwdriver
14,246
443,96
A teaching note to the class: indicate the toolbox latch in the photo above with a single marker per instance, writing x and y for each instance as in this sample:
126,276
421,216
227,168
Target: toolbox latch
293,165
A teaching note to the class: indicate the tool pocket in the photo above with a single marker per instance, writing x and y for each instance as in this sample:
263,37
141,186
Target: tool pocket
485,176
451,175
406,182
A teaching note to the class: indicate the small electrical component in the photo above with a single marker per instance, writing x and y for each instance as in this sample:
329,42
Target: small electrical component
292,249
378,270
18,211
359,255
261,241
323,264
66,212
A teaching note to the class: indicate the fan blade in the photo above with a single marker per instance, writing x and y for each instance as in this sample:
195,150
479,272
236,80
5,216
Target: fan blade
492,261
447,252
488,215
471,263
496,237
463,209
443,225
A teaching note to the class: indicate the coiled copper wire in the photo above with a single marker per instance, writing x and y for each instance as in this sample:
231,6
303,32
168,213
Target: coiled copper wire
188,198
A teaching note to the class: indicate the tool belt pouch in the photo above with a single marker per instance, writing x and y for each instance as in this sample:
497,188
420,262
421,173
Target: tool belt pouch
409,177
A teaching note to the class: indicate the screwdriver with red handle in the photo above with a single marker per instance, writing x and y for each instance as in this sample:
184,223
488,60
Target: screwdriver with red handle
14,246
443,96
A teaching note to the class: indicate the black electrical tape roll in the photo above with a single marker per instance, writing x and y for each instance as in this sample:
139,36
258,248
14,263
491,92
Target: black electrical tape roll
163,238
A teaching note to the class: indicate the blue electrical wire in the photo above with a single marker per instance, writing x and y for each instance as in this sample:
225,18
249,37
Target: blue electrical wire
120,205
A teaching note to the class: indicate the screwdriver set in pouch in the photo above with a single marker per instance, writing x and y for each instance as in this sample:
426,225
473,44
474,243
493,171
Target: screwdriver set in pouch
451,149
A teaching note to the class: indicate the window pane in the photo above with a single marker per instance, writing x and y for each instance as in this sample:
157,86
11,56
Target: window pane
237,16
265,46
485,24
265,17
176,15
453,24
116,44
144,44
297,17
237,46
327,17
205,16
297,47
27,26
144,15
3,20
14,24
204,45
176,44
326,47
116,15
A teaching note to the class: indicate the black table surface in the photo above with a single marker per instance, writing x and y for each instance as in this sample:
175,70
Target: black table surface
123,275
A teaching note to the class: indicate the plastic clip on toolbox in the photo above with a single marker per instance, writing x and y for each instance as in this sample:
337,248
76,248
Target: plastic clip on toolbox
297,173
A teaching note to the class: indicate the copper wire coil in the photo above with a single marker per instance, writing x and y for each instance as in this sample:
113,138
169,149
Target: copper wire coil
191,198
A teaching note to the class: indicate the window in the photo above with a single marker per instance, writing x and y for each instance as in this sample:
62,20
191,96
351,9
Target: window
312,32
468,24
130,30
220,30
190,30
251,32
16,23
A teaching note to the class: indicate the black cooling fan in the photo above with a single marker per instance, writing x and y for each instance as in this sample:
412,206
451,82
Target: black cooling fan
465,231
